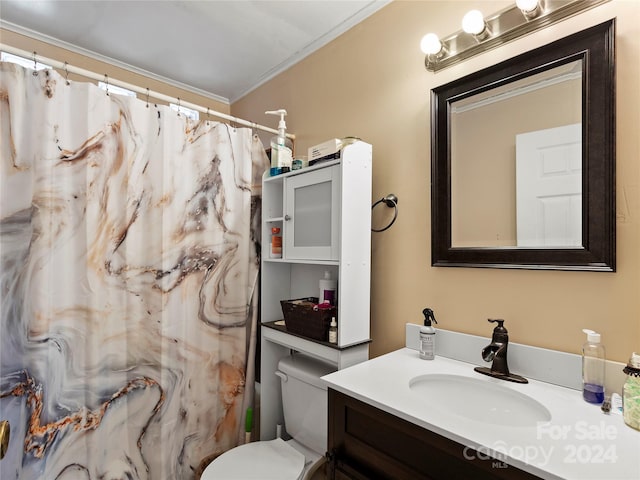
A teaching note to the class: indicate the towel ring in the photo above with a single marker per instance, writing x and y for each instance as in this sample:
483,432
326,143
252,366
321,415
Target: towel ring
390,201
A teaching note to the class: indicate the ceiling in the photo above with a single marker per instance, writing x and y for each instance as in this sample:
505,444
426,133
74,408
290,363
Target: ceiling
220,49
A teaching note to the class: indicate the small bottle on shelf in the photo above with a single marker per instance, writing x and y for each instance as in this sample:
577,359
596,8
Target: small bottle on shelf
333,331
276,243
328,288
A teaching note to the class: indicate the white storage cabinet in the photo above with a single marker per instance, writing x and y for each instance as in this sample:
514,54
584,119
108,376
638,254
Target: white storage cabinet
324,216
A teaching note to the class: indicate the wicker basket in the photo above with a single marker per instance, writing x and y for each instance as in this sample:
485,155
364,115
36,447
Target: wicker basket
302,319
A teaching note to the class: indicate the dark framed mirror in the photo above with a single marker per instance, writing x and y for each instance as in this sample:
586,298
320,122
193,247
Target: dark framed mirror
523,160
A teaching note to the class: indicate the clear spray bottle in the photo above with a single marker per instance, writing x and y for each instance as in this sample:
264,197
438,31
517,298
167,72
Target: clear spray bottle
281,146
428,336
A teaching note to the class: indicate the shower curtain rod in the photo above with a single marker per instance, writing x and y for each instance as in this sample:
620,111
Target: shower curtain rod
142,91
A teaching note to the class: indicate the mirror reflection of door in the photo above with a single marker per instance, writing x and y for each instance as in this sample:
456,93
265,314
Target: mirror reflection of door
484,127
549,187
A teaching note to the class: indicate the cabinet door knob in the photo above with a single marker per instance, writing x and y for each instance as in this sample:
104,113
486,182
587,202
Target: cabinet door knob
287,217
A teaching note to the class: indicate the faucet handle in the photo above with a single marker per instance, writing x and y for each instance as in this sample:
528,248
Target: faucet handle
500,328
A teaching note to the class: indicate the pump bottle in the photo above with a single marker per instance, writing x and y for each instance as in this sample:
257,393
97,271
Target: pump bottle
428,336
593,358
328,288
281,146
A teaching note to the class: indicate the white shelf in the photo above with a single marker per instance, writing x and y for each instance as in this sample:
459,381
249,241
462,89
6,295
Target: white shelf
302,262
347,258
321,350
278,178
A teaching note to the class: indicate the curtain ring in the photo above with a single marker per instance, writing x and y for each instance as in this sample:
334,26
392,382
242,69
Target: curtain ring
178,106
147,97
106,82
390,201
207,122
66,74
35,65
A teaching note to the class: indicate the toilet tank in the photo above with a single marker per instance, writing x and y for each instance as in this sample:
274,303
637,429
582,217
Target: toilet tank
304,400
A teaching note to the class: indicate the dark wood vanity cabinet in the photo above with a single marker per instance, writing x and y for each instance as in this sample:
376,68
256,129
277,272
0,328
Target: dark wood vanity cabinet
367,443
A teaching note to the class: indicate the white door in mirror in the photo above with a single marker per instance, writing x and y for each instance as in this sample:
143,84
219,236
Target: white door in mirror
549,187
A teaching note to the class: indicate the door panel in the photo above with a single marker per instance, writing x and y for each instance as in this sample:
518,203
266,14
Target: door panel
549,187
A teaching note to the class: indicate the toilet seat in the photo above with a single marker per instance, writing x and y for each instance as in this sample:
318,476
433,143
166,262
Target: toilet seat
266,460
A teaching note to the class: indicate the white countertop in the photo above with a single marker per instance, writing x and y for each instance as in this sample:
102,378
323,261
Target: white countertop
580,442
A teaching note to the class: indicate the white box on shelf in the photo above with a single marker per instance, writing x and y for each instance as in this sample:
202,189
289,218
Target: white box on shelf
325,151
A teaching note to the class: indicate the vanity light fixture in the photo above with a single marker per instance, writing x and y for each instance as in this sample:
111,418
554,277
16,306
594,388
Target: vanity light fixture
530,8
431,44
480,34
432,47
473,23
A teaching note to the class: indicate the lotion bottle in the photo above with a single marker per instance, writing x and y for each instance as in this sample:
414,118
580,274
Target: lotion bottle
281,146
428,336
593,366
328,288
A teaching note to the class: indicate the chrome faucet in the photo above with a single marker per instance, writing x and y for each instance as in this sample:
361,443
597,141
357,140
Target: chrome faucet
496,351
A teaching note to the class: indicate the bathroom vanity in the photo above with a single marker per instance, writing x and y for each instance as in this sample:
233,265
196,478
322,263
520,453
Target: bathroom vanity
400,417
366,442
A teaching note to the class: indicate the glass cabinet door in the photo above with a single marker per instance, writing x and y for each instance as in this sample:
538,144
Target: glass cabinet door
311,220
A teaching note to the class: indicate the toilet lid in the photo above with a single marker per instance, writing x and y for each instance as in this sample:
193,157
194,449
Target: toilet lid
268,460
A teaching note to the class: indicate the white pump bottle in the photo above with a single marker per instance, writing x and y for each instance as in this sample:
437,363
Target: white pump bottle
281,146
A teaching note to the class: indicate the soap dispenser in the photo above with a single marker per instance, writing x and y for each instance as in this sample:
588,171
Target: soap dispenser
428,336
593,366
281,146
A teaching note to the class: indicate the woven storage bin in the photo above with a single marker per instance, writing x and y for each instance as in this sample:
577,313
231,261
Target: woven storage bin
302,319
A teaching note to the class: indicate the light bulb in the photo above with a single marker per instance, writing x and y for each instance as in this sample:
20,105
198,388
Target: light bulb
430,44
473,22
527,6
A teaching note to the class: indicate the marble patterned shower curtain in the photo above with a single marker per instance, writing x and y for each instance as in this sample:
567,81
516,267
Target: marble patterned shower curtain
127,268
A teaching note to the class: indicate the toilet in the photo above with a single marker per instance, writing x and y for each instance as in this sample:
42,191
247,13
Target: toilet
304,403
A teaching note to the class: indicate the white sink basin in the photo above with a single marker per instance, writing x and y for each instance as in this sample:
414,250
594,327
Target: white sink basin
479,399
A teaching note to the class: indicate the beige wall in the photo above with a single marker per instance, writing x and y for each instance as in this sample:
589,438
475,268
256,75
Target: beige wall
62,55
371,83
